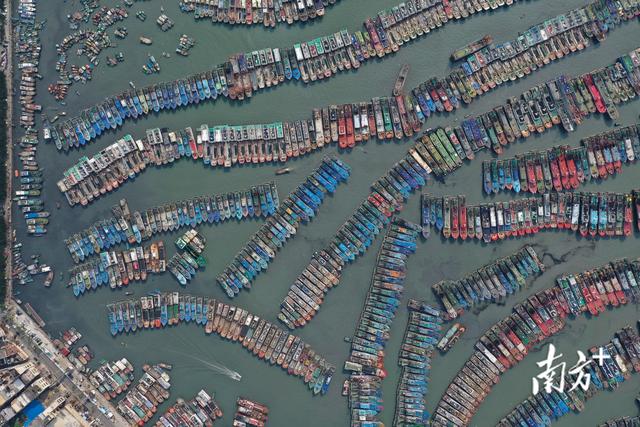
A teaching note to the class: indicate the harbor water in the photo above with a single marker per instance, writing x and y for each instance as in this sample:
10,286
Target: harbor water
199,361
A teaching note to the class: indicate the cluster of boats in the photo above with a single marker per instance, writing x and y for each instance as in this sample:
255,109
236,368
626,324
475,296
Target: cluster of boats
27,52
352,240
540,316
622,422
451,337
27,193
258,201
112,379
557,168
562,167
267,13
185,43
366,359
609,150
183,265
622,359
490,283
593,291
259,336
471,48
91,41
202,410
562,100
389,192
421,336
250,413
245,73
21,273
140,403
300,206
117,268
382,301
164,22
152,66
590,214
94,176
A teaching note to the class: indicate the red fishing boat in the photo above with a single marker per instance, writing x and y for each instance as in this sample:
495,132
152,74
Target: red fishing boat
462,209
628,214
348,116
455,231
342,128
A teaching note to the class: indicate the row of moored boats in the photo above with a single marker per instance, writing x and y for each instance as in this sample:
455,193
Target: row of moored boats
250,413
259,201
420,338
590,214
366,359
184,264
562,100
622,358
387,196
259,336
353,239
112,379
27,55
267,13
300,206
490,283
622,422
201,410
141,402
540,316
27,191
245,73
116,269
562,167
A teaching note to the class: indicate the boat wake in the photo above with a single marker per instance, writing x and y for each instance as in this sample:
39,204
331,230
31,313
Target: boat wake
213,366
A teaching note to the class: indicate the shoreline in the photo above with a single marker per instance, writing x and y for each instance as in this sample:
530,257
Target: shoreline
7,205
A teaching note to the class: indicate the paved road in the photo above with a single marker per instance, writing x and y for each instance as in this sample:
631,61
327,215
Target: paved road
76,383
